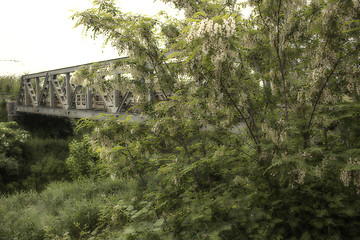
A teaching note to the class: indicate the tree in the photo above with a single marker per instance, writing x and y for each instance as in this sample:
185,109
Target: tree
274,98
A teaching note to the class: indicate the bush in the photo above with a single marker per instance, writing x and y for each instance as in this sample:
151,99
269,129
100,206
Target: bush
82,162
12,140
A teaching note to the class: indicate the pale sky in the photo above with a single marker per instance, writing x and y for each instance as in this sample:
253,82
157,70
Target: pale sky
39,35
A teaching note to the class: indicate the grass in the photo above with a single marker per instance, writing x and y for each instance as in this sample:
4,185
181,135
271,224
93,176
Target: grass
62,209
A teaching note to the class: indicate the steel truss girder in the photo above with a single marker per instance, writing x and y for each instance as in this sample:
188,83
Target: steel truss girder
69,100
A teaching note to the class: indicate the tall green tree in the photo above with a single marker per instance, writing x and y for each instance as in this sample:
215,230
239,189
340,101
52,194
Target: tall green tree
263,114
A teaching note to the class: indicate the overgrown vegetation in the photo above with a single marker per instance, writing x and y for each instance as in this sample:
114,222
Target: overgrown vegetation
30,162
11,158
9,87
33,151
64,209
259,139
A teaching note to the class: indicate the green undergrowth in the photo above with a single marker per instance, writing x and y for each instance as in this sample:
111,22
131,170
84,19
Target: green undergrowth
29,161
150,209
65,210
44,162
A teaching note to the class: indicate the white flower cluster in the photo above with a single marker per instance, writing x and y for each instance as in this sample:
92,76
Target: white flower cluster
104,146
320,168
351,176
345,177
275,133
297,176
209,28
356,3
301,174
353,86
214,36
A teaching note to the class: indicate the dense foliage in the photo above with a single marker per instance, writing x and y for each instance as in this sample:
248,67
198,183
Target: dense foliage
9,87
11,146
29,162
32,159
258,139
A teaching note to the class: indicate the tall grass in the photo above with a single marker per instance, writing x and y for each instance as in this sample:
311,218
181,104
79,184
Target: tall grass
68,210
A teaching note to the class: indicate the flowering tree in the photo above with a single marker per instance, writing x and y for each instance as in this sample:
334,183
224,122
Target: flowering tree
267,104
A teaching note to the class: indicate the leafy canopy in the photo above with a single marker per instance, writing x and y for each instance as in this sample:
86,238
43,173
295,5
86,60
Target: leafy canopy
261,116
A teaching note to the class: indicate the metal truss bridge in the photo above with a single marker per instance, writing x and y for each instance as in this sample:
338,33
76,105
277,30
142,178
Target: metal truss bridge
54,93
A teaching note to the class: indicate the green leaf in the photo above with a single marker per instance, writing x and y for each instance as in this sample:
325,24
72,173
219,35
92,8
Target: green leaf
317,223
305,236
159,222
129,230
130,208
352,167
277,220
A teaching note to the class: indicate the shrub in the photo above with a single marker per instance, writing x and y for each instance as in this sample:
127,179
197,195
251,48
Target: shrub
82,162
12,140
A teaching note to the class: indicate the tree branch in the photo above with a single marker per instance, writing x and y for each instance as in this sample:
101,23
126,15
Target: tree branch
262,18
241,114
321,92
280,57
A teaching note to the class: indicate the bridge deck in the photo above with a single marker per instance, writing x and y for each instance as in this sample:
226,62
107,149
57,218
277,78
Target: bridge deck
75,113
